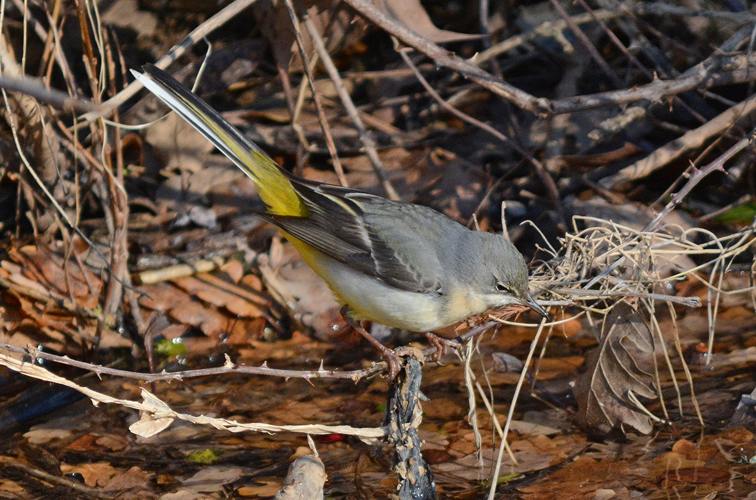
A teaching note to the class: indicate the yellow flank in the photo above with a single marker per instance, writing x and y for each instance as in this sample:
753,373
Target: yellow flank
312,259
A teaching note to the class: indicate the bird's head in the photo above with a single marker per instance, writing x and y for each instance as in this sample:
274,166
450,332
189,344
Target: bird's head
504,280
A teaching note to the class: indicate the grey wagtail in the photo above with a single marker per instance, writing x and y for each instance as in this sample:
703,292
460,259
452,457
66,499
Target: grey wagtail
398,264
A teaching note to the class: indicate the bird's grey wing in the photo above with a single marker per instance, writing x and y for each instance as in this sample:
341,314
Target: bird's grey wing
337,226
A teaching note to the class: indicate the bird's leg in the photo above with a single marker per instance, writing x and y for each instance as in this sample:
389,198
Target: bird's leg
389,356
441,344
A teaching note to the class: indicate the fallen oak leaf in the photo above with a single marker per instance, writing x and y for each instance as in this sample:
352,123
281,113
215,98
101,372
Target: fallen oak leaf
607,393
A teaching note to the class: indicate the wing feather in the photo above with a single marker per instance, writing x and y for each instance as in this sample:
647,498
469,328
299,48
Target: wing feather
336,226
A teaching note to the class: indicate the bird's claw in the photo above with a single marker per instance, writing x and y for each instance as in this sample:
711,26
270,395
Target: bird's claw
392,360
441,344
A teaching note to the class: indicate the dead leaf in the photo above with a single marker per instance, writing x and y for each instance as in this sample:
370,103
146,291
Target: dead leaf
576,480
49,270
615,370
44,436
340,23
211,479
11,487
304,480
84,443
443,409
265,489
184,495
532,429
182,308
234,269
95,474
220,293
113,442
132,479
127,14
413,15
57,428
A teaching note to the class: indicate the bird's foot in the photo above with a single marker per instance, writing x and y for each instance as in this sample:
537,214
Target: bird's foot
441,344
391,358
388,355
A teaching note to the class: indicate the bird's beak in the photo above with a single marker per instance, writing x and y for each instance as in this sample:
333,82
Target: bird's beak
531,303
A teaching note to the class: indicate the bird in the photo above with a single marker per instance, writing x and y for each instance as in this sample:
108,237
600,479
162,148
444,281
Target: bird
395,263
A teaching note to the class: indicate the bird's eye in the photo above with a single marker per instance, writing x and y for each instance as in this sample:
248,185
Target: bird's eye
501,287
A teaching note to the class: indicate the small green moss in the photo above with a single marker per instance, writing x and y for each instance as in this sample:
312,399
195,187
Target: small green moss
204,457
168,348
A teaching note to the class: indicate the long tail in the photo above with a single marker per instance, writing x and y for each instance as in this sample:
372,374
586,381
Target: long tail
274,187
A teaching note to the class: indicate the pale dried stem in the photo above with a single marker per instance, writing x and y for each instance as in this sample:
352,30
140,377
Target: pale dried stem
198,34
587,45
32,88
299,105
228,368
472,408
546,29
540,170
686,143
155,411
365,137
472,385
452,61
604,246
316,96
510,415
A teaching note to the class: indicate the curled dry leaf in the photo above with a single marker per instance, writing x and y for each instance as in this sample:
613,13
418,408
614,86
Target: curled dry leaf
339,26
339,22
304,480
184,309
212,479
413,15
221,293
128,14
49,269
616,373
